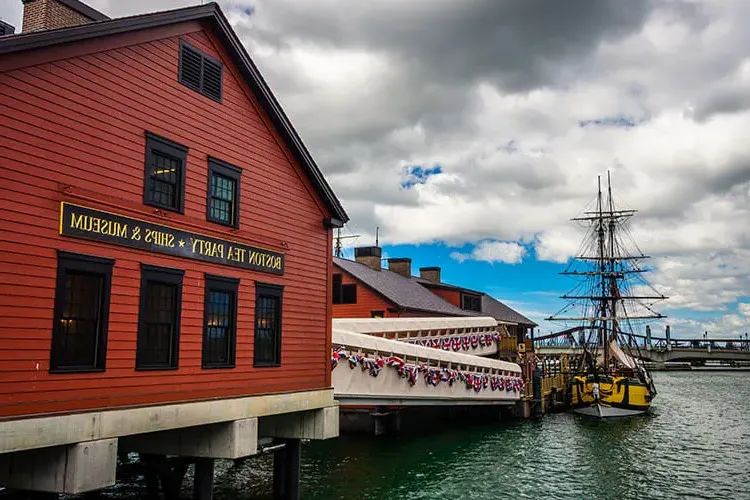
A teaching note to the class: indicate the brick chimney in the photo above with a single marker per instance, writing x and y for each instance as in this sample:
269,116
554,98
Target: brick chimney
369,256
41,15
6,29
400,266
431,274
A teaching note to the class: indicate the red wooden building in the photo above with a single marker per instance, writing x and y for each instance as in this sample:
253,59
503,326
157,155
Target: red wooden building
164,233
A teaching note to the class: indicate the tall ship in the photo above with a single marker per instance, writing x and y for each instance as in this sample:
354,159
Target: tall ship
609,303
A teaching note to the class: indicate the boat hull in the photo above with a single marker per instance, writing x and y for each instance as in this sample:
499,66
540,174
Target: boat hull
604,411
618,397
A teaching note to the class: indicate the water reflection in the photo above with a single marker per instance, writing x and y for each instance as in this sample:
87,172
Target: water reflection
694,444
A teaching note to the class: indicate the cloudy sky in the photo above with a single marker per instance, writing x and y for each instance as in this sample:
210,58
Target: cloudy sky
470,132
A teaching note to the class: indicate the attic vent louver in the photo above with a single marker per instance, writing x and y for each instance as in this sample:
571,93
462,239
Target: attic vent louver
212,79
200,72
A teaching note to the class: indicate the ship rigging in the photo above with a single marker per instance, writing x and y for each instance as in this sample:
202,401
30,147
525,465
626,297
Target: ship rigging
609,302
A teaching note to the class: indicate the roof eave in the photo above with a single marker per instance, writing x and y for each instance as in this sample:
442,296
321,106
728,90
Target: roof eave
41,39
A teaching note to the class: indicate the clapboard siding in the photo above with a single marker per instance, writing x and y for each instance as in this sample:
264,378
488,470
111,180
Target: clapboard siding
452,296
367,300
73,129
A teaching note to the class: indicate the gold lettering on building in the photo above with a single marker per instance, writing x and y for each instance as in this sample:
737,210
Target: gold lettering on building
263,260
159,238
236,254
207,248
102,226
98,225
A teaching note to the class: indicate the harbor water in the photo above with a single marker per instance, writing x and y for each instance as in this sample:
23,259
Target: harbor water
695,443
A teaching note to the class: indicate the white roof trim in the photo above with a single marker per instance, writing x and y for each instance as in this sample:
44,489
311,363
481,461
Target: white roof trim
377,325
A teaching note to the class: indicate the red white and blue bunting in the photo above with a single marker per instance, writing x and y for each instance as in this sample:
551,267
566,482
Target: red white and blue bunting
432,376
457,342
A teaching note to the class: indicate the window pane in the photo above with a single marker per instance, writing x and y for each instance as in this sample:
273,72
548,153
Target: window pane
159,325
221,211
349,294
222,187
267,329
218,336
78,326
165,176
222,198
471,302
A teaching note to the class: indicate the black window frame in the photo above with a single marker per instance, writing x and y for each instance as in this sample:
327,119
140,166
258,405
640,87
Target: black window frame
222,284
274,291
377,314
336,283
521,334
471,302
174,150
87,264
201,81
342,293
232,172
160,275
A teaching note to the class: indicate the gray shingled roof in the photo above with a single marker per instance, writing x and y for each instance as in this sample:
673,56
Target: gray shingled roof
500,311
404,292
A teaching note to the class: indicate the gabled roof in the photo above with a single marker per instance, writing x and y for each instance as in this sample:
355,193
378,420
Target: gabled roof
500,311
404,292
212,14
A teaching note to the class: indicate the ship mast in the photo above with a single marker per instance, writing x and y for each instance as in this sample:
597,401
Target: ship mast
603,287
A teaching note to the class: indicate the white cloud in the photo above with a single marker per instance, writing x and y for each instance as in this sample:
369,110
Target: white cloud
703,281
507,252
726,326
744,309
557,245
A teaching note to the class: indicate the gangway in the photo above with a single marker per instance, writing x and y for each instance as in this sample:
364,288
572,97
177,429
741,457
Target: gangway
369,369
479,336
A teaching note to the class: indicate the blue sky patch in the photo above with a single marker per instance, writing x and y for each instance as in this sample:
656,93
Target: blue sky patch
620,121
418,174
245,9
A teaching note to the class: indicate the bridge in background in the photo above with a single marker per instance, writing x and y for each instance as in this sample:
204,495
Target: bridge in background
679,351
387,362
654,349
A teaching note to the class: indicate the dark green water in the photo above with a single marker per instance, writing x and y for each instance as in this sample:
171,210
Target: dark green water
694,444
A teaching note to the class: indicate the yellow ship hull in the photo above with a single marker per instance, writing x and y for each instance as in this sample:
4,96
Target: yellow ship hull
618,396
